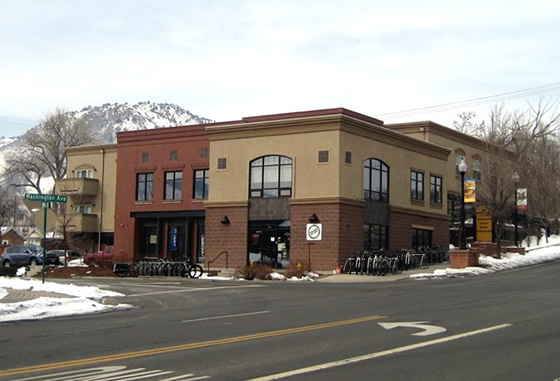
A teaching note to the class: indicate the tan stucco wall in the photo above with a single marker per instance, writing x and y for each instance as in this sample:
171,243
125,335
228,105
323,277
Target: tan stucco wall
240,144
103,159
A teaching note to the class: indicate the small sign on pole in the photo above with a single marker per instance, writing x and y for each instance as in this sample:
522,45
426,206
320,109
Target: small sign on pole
46,200
314,232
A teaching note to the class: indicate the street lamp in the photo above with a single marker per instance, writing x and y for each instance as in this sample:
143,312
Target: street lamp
462,171
516,183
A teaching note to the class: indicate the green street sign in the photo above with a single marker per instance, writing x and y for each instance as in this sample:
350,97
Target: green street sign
45,198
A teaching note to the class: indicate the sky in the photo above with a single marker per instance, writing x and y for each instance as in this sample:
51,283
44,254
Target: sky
88,299
225,60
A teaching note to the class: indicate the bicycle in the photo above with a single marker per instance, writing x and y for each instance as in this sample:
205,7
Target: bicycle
124,269
193,270
349,265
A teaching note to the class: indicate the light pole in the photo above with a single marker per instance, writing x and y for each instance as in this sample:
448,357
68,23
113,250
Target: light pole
462,171
516,183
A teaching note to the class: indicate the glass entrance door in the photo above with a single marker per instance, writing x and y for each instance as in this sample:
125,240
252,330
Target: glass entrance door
176,244
269,243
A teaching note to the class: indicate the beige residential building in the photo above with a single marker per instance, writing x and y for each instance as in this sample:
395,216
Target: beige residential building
90,186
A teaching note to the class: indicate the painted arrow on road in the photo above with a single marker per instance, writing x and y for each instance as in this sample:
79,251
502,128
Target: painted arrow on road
427,329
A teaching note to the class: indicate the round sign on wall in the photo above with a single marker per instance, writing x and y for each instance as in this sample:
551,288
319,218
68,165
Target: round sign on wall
314,232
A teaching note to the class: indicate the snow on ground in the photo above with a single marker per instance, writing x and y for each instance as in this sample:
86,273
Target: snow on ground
83,300
535,254
87,299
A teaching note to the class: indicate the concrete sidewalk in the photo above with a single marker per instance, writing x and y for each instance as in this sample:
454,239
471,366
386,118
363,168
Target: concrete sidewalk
16,296
354,278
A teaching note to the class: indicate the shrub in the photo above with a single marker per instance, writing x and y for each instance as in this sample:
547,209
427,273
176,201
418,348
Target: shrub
295,270
254,271
8,271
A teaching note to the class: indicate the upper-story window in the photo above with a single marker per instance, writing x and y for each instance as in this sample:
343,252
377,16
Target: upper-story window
376,180
144,186
459,157
84,209
173,185
201,183
84,173
436,189
416,185
477,168
271,176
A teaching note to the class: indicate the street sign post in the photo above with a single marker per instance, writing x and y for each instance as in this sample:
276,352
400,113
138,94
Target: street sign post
46,200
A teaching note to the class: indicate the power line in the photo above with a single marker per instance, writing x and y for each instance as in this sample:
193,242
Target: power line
473,102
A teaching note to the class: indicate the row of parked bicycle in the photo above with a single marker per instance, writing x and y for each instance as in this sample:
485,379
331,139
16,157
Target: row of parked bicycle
383,262
153,266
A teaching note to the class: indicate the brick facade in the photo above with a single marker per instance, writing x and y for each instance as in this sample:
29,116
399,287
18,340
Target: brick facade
402,223
230,237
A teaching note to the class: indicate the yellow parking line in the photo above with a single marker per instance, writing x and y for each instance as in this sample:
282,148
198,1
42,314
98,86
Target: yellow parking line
185,347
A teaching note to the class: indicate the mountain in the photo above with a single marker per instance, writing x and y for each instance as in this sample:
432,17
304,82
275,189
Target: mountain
111,118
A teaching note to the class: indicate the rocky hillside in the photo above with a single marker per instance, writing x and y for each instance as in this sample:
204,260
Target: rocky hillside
115,117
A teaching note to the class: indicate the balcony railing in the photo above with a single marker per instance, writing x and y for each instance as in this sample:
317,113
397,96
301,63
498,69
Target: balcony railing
81,223
78,187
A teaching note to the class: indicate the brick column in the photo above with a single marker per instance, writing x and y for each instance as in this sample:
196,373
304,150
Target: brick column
459,259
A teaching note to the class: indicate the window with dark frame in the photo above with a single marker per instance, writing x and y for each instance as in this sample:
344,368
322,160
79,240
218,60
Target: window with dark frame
416,185
173,185
436,189
201,184
477,169
375,237
421,239
323,156
271,176
144,186
222,163
348,157
376,180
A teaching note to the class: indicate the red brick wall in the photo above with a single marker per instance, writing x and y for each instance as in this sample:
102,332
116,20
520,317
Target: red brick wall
230,237
400,229
342,232
187,141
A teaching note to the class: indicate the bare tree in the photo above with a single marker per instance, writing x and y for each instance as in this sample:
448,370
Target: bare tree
8,205
42,155
520,142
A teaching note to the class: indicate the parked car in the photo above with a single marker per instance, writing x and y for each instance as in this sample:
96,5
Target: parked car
65,256
26,255
101,258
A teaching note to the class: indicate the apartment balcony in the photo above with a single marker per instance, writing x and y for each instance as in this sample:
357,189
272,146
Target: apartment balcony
82,222
77,186
81,190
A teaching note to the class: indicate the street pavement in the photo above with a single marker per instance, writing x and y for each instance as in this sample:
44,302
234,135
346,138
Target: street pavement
17,296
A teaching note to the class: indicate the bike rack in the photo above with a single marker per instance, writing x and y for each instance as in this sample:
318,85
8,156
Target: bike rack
219,255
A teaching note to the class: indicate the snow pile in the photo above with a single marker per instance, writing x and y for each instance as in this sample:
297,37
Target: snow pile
82,300
508,261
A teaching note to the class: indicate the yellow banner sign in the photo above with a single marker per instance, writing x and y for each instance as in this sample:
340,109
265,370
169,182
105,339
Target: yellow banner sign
470,190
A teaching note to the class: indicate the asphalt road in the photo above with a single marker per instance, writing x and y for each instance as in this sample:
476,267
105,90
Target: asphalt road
498,327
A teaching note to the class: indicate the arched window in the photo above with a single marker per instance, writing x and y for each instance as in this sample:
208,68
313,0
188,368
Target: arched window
376,180
271,176
459,156
477,167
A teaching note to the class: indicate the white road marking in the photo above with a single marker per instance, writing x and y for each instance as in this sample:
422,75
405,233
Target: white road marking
225,316
427,329
193,290
371,356
112,373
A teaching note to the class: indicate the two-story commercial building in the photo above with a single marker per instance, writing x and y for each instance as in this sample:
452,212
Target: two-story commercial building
255,186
